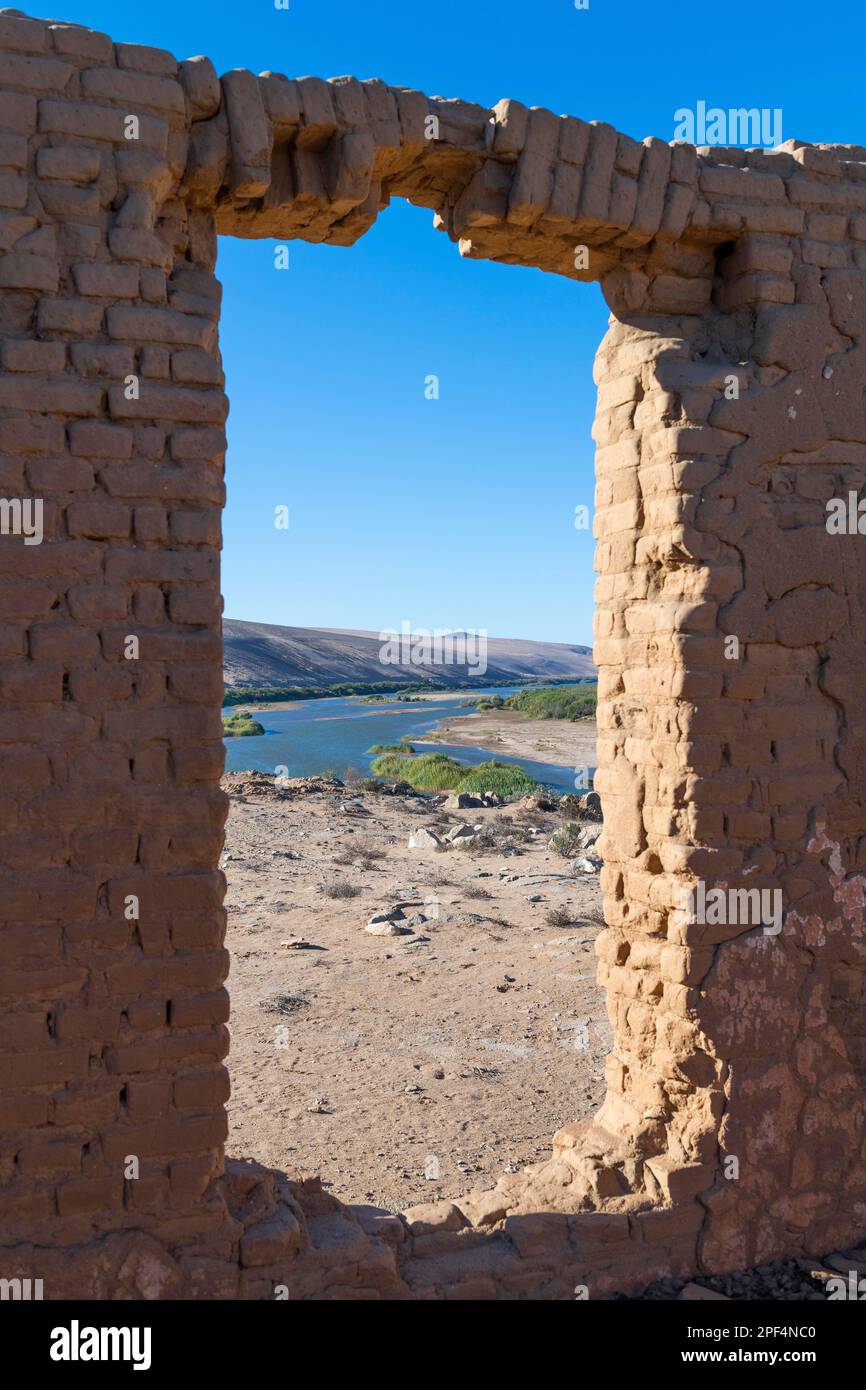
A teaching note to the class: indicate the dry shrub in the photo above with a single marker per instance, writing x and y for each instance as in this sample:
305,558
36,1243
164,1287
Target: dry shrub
560,917
340,889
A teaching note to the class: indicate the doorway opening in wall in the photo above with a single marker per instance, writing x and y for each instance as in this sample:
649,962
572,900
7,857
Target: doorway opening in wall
413,893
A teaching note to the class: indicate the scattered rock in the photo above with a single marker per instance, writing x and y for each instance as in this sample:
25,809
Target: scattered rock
386,928
462,801
408,943
395,789
240,785
462,919
390,914
424,839
536,801
588,834
414,920
590,864
460,832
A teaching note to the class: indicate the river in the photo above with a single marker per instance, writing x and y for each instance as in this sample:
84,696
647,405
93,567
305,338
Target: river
333,735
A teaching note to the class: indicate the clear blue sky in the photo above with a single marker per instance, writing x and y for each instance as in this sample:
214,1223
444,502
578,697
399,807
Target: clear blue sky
456,513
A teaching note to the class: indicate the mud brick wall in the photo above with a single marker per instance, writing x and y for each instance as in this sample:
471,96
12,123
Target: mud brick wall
729,640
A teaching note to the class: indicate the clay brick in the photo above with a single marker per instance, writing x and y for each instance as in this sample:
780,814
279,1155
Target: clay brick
135,91
87,121
195,527
22,1030
52,1066
151,524
98,518
25,355
203,1090
97,602
75,42
59,475
17,113
195,367
283,102
23,1112
138,244
153,285
69,316
13,152
102,359
189,606
155,361
191,484
22,35
86,1196
157,326
250,133
59,1156
143,58
33,74
149,440
101,278
190,1177
66,201
19,271
82,240
50,394
168,403
197,444
33,436
71,163
95,439
202,87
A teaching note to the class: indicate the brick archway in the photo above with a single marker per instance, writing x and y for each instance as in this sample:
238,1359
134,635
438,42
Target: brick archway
730,411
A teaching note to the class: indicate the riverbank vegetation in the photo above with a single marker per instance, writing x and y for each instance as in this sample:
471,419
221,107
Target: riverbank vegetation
240,726
373,692
436,772
570,702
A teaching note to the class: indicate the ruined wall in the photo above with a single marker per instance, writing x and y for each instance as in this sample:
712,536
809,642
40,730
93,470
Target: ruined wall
730,410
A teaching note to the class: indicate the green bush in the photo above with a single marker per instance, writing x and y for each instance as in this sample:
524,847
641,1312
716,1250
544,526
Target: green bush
399,750
240,726
432,772
556,702
436,772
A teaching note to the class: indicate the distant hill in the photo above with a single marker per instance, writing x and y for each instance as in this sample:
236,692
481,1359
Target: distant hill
266,654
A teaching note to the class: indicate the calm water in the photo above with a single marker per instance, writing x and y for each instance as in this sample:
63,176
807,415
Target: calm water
334,735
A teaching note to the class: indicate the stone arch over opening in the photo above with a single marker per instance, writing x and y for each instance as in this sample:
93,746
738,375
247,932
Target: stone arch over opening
729,644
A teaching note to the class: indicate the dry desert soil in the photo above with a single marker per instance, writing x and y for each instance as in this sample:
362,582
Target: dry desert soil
559,741
412,1067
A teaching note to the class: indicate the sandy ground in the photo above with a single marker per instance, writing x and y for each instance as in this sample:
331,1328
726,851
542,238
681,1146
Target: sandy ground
508,731
404,1069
